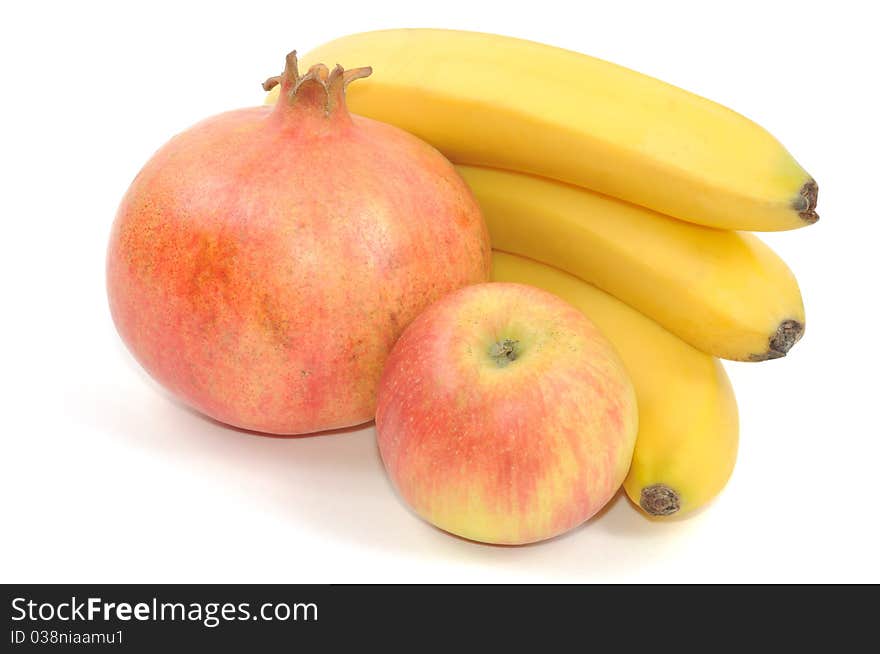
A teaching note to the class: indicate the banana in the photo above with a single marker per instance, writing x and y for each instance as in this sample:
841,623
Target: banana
496,101
725,293
688,421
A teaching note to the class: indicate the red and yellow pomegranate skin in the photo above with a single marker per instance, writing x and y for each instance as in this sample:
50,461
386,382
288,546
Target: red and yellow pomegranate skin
512,453
263,263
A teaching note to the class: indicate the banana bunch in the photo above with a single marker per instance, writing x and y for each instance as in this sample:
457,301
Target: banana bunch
629,185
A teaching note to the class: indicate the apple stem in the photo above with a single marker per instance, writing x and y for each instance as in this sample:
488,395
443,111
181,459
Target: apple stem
503,352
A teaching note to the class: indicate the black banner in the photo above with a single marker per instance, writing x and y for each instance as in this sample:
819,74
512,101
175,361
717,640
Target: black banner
324,618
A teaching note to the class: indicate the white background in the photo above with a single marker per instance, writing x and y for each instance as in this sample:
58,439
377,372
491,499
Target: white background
105,478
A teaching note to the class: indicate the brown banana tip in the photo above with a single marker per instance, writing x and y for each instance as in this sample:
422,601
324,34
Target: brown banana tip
787,334
805,202
659,500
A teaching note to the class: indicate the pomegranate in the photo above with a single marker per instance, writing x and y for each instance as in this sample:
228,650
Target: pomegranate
263,263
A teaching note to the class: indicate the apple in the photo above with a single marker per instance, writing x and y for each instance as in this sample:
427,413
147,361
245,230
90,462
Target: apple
504,415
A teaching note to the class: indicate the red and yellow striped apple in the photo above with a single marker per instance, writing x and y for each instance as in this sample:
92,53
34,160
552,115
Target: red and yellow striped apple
504,415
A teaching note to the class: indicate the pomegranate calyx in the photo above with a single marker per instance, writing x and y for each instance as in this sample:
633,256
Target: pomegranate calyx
332,82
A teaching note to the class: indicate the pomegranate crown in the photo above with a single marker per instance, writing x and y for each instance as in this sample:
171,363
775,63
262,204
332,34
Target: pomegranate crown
333,82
